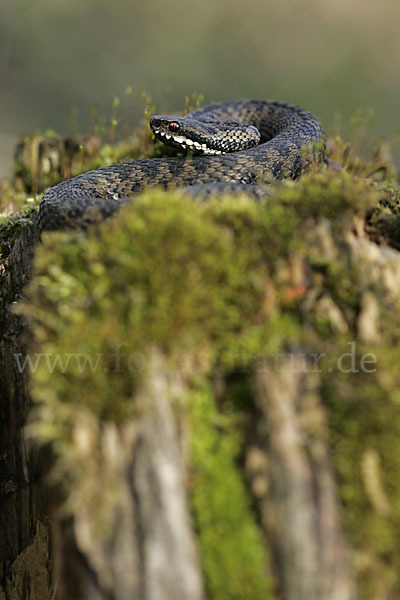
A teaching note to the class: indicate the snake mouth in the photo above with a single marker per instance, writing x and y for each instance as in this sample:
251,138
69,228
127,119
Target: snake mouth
184,134
185,143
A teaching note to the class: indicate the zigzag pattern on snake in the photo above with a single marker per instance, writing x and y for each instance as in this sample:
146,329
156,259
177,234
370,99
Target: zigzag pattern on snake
239,143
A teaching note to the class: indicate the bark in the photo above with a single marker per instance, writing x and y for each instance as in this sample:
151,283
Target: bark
302,513
151,554
24,547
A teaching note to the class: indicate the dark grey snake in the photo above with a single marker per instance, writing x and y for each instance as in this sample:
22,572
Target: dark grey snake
239,143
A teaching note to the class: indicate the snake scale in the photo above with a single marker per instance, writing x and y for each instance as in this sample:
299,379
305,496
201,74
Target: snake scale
237,144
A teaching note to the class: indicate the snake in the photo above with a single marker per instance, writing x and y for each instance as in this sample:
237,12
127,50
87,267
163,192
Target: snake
228,146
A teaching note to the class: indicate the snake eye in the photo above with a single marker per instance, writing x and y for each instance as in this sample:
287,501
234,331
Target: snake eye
174,126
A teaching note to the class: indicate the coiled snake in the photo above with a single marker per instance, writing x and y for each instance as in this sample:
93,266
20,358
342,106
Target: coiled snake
239,143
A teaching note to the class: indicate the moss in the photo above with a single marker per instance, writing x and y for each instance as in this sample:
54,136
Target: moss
234,557
10,225
214,265
367,419
29,569
383,223
207,279
204,282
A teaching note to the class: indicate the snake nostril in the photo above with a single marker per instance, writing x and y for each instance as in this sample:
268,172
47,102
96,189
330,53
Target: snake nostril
154,122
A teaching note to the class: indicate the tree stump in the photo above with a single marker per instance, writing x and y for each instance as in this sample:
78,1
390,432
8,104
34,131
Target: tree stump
201,401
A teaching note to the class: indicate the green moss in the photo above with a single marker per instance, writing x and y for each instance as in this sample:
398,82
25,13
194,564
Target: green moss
233,555
164,258
366,420
11,224
197,280
184,276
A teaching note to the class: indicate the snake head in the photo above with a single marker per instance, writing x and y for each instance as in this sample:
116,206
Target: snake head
206,136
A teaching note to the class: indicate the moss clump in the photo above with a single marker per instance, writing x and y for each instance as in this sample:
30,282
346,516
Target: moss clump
234,557
11,223
9,228
181,275
164,272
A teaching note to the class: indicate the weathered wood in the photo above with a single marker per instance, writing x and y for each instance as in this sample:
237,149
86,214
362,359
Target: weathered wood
24,539
302,514
141,544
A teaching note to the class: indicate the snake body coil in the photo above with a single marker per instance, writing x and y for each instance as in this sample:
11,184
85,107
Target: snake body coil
245,142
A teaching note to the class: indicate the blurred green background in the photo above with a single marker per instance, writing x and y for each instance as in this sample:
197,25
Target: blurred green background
332,57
